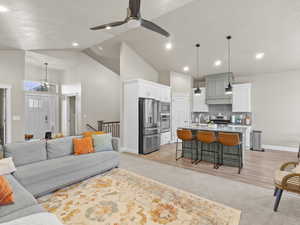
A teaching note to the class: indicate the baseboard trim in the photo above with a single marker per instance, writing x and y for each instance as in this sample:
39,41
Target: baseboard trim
124,149
281,148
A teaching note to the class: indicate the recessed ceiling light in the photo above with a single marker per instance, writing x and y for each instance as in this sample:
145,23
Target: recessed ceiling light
108,27
218,63
169,46
186,69
75,44
3,9
260,55
100,48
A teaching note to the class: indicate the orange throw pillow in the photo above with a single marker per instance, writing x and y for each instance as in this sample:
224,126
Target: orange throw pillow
91,133
83,145
6,193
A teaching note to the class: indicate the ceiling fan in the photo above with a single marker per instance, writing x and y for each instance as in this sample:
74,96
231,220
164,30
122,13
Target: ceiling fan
134,19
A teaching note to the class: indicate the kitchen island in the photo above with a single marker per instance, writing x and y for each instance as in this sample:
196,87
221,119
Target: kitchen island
229,160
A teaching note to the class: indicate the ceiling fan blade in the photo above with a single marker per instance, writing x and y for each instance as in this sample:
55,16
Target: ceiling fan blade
135,6
114,24
152,26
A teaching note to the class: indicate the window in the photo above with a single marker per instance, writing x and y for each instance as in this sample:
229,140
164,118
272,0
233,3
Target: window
37,86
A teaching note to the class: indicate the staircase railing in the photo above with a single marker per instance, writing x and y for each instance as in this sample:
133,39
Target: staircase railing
91,127
110,127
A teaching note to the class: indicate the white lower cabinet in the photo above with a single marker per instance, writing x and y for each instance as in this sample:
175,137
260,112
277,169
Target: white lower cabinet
165,138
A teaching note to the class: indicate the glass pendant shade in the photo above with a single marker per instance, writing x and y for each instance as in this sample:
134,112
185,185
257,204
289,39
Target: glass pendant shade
197,91
228,90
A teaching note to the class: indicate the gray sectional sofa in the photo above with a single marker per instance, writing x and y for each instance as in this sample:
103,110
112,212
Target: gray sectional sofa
43,167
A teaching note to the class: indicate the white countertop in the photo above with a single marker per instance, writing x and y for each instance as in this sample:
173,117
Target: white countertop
217,128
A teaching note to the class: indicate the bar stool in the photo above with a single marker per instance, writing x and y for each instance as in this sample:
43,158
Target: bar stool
209,138
231,140
184,135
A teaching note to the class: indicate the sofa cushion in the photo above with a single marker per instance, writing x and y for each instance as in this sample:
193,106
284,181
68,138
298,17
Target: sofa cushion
26,152
91,133
30,210
6,192
22,197
47,176
103,142
59,147
83,146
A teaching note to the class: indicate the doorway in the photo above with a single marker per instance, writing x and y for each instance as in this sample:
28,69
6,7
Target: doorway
180,113
72,115
70,121
41,113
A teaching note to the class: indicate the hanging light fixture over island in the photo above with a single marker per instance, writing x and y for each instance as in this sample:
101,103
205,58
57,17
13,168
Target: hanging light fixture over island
198,90
228,89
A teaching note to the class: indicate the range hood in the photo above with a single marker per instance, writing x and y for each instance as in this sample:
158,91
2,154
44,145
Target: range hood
215,89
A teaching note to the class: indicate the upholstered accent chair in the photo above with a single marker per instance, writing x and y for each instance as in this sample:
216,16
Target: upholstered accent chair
286,179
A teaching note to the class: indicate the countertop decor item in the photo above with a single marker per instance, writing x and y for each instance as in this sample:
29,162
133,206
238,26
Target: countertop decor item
123,197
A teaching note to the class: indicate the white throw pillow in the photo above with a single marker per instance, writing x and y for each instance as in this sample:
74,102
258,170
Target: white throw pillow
296,169
7,166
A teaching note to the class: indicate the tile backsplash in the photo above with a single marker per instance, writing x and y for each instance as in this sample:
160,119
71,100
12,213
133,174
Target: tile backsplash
224,110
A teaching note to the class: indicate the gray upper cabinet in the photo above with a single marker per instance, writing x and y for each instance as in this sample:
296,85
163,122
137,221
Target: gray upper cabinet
215,89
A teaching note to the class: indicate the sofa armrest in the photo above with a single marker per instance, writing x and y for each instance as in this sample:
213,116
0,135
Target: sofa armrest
115,143
288,166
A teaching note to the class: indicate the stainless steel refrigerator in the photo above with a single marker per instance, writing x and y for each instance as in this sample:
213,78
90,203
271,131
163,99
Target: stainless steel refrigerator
149,125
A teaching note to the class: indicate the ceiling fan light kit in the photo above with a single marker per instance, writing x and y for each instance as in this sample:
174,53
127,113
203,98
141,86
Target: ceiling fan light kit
134,20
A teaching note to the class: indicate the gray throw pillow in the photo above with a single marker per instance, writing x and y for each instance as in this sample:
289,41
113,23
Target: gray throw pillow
102,142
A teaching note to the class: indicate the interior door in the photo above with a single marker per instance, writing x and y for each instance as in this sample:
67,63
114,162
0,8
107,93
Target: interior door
180,113
41,115
72,115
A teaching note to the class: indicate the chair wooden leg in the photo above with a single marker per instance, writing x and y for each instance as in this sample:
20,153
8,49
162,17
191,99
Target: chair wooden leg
278,198
275,191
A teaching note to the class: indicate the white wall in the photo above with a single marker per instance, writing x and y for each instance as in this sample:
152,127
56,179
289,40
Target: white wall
134,66
181,83
100,90
276,107
12,67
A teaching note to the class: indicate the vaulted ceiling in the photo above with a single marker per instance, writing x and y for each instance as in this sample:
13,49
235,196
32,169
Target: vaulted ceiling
269,26
55,24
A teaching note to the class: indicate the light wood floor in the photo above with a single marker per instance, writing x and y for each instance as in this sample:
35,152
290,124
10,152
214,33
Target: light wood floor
258,170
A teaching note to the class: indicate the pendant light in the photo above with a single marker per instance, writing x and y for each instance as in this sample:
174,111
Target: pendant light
45,84
198,90
228,89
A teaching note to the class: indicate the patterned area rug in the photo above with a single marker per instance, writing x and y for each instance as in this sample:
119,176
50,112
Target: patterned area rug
121,197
